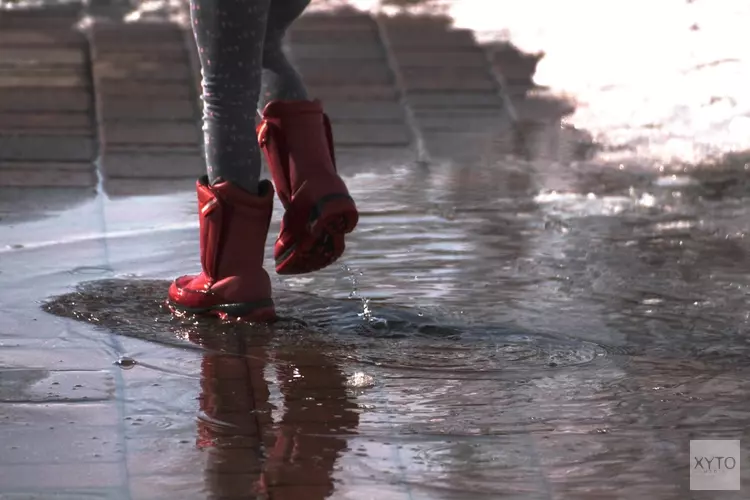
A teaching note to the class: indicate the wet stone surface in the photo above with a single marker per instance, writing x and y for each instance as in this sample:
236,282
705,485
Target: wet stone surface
513,318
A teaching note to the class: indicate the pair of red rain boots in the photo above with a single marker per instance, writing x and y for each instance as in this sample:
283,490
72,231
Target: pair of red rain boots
296,139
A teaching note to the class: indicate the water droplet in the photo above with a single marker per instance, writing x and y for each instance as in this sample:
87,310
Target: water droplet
126,363
360,380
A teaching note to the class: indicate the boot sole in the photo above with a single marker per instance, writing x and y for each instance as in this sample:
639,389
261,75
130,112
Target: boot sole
262,311
332,217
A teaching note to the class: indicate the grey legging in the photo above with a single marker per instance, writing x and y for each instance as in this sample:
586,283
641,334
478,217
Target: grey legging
240,48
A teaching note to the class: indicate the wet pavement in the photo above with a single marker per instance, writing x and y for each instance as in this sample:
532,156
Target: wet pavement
514,317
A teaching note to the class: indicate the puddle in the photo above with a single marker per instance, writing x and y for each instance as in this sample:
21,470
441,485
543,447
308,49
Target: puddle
500,327
521,345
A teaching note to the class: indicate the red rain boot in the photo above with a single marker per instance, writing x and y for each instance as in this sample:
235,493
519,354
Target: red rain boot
233,229
297,140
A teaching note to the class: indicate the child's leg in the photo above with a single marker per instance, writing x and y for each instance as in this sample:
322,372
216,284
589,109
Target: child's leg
230,36
234,209
280,80
297,138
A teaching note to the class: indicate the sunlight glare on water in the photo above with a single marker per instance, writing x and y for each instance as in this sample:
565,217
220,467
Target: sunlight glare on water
664,80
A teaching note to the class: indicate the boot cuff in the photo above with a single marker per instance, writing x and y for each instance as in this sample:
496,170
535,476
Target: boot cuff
281,109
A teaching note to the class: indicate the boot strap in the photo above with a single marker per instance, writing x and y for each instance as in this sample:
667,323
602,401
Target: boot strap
265,129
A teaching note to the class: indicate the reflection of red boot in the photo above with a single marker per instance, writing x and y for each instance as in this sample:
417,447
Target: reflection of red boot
233,229
297,140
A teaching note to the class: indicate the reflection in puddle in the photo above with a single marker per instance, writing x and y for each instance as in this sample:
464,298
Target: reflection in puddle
325,401
277,413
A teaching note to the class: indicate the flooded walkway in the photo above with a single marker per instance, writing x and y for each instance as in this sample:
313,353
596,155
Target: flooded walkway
513,318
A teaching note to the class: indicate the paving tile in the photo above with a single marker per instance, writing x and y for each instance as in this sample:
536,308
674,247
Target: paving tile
40,177
30,99
144,70
514,65
74,166
305,473
365,52
20,204
29,38
234,486
436,39
154,149
372,134
159,133
36,385
94,414
447,73
35,19
59,444
70,122
499,122
67,494
140,56
329,416
136,33
52,148
148,90
351,160
295,492
440,59
410,24
43,78
460,113
473,146
153,166
188,487
542,109
133,41
39,353
42,56
146,187
354,92
48,132
234,460
344,111
373,488
457,82
165,463
346,73
454,99
164,51
241,423
154,488
114,108
498,117
368,33
338,22
61,476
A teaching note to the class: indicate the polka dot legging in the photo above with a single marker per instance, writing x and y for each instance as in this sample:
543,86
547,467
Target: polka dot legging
243,67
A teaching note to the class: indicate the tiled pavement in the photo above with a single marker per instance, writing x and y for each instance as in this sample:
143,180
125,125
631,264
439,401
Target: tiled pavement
47,129
119,103
397,89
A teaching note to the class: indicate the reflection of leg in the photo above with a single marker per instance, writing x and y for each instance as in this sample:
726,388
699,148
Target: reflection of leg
230,35
233,401
280,79
318,415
